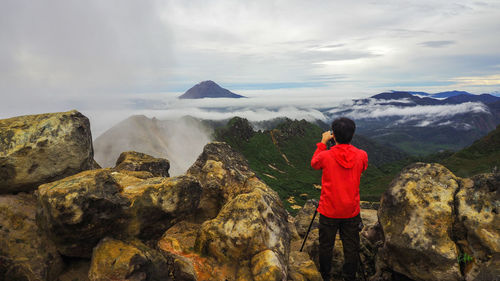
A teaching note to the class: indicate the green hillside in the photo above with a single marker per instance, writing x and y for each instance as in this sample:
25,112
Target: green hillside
481,157
281,157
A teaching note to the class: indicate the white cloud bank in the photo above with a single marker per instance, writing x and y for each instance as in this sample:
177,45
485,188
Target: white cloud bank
420,111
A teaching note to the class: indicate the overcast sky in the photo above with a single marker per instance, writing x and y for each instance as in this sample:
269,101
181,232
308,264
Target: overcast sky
100,56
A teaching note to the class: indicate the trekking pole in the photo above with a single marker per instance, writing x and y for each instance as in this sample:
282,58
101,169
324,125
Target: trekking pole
309,229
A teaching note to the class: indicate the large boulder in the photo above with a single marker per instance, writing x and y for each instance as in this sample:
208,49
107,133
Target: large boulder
128,260
36,149
25,252
159,203
478,230
250,227
223,174
416,216
78,211
136,161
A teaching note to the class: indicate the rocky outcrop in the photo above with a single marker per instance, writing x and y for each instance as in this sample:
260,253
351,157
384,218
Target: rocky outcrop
416,216
25,252
302,268
477,227
252,226
80,210
223,174
136,161
36,149
304,217
128,260
159,203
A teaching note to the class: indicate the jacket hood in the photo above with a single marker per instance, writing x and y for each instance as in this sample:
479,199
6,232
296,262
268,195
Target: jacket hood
344,154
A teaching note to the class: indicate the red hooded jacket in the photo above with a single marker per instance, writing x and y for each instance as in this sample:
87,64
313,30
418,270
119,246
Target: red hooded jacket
342,166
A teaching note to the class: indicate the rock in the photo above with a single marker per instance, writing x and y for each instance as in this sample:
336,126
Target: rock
159,203
248,225
189,265
369,205
302,268
478,232
294,235
76,270
223,174
78,211
25,252
36,149
136,161
305,215
128,260
416,215
137,174
267,266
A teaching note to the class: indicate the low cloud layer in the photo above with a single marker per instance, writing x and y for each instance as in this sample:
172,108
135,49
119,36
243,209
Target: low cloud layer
431,111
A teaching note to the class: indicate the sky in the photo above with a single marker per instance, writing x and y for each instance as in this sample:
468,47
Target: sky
112,59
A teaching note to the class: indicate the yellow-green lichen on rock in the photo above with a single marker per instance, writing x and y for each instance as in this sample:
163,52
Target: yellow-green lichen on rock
416,215
26,253
36,149
266,266
248,225
128,260
478,204
158,203
78,211
302,268
223,174
137,161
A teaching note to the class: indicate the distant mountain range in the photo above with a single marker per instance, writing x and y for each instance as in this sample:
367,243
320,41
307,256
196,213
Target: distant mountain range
420,124
208,89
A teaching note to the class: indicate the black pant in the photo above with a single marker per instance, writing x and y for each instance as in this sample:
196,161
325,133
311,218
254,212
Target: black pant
349,234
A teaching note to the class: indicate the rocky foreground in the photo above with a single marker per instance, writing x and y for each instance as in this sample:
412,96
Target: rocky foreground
64,218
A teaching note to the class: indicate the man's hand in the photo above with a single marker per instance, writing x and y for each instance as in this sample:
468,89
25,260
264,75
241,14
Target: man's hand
326,137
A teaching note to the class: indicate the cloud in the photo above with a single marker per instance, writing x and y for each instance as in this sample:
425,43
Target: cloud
437,44
90,55
487,80
422,111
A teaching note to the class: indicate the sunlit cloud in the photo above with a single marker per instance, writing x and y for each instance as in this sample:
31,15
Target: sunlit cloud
487,80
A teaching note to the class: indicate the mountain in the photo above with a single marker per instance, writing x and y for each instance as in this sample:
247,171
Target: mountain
484,98
422,125
180,141
208,89
483,156
281,157
394,96
449,94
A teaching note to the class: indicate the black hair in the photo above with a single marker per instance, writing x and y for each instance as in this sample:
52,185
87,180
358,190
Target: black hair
343,130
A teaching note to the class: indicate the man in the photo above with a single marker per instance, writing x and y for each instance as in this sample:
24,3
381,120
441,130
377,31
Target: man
339,209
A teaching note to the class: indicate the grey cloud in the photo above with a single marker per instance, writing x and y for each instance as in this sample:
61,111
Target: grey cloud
65,49
437,44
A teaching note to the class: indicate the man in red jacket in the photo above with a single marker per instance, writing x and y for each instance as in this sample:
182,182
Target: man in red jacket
342,166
